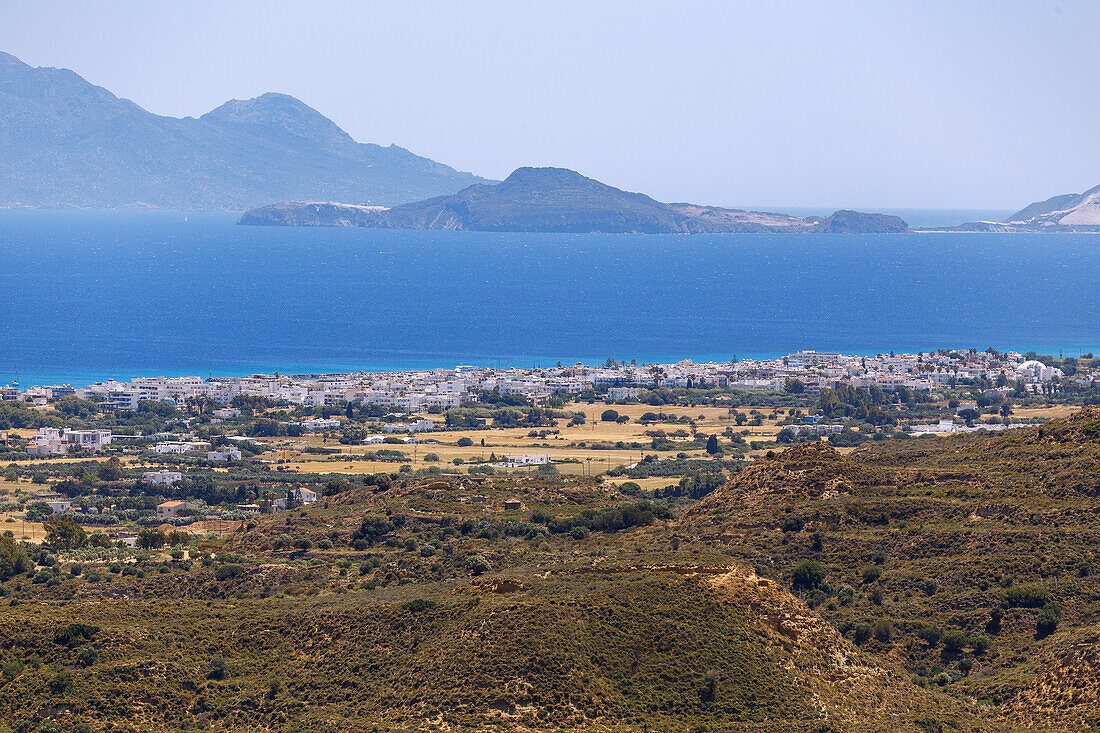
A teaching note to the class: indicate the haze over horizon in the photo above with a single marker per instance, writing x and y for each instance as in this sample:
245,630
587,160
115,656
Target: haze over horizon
918,105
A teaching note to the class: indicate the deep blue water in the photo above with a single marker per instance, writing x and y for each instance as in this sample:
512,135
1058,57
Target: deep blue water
89,295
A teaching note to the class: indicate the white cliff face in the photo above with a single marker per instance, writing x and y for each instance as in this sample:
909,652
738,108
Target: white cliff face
1087,213
1070,210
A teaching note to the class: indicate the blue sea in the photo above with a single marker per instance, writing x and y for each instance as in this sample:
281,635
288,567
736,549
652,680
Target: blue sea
91,295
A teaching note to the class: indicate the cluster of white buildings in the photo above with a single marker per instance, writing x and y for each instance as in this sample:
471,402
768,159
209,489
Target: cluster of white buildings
55,441
418,391
198,449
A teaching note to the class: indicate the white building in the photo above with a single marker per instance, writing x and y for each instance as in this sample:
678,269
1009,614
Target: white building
173,508
51,441
57,506
229,453
318,423
183,448
1037,371
305,496
89,440
166,478
815,429
528,460
420,426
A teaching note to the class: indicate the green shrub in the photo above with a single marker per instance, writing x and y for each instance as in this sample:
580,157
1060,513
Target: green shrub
793,523
931,635
540,515
11,668
13,559
216,668
807,575
954,640
418,605
871,573
371,529
75,634
62,682
993,626
630,488
1047,620
477,564
1027,596
980,644
228,571
87,655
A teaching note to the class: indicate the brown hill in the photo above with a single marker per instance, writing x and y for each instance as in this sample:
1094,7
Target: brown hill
981,535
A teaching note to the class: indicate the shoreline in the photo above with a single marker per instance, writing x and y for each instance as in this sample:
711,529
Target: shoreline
84,378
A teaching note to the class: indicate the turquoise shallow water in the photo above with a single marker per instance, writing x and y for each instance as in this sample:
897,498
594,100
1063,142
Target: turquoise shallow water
89,295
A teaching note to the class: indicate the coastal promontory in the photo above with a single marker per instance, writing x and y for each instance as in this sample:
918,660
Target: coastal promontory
562,201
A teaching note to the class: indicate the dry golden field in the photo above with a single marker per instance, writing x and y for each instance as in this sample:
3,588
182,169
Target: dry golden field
30,531
565,445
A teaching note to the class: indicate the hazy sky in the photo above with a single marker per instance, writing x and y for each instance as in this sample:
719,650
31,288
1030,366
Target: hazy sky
890,104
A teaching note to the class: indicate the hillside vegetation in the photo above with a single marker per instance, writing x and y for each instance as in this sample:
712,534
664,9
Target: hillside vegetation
971,560
922,585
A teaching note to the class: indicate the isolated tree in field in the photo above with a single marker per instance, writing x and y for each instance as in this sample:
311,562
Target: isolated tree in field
64,533
609,416
969,415
150,539
37,511
712,445
13,558
110,470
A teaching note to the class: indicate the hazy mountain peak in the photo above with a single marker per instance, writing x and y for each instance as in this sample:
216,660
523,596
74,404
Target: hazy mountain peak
546,174
6,59
277,112
68,143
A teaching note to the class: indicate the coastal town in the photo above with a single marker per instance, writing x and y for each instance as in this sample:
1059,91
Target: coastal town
442,389
187,452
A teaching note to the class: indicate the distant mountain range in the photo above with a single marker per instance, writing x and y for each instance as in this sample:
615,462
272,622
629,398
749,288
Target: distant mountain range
560,200
1070,212
67,143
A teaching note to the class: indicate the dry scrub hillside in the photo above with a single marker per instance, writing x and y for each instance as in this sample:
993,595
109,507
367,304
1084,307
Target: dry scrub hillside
971,560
